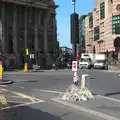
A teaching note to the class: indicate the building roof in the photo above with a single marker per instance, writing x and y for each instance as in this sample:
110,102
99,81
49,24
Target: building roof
45,4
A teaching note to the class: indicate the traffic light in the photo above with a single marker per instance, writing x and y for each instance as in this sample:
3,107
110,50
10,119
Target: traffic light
74,28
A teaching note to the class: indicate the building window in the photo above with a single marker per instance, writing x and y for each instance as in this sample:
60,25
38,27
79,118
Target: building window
118,7
51,19
101,34
96,33
90,20
102,10
42,19
102,25
116,24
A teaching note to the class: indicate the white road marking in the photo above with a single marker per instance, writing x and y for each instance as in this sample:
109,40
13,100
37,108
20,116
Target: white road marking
86,110
24,104
48,91
22,87
5,90
3,85
109,98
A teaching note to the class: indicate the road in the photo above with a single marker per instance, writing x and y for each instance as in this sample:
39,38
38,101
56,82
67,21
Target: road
30,97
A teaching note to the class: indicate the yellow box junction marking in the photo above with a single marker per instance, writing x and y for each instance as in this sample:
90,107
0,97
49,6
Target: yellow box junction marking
33,99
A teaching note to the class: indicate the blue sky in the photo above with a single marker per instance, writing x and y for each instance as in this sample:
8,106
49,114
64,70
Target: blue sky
63,17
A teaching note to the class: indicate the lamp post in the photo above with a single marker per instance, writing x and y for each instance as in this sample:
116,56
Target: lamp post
74,30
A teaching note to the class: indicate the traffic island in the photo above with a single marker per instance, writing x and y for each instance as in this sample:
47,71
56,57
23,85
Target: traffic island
5,82
76,94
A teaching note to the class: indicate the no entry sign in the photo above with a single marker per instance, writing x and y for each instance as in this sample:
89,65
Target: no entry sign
74,65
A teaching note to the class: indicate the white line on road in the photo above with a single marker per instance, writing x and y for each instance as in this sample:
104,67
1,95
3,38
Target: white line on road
24,104
3,85
48,91
109,98
22,87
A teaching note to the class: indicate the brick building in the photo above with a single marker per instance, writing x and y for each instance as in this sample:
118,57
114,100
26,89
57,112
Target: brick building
103,27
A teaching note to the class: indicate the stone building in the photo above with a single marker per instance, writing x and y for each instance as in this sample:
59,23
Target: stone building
28,25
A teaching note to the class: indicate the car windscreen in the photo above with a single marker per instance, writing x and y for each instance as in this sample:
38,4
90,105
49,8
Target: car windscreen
84,60
100,61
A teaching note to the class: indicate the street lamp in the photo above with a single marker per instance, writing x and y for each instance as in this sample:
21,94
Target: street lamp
74,30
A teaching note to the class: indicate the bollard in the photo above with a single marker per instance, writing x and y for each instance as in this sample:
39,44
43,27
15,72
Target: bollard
1,71
26,67
76,78
83,80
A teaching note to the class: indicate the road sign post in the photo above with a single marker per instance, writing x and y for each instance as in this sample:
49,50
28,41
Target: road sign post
74,69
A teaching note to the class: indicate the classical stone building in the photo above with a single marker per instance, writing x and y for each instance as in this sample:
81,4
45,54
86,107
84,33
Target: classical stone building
28,24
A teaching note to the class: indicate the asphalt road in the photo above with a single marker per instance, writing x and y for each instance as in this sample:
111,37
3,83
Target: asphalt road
30,96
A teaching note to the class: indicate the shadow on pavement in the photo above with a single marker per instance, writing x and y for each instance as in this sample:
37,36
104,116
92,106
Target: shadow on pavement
110,94
26,113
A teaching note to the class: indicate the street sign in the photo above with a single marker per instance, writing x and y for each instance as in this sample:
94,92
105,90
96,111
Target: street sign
27,51
32,56
74,66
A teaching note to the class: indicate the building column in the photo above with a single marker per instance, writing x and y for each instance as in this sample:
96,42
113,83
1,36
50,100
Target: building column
54,34
46,54
46,33
3,27
15,41
36,30
36,35
25,27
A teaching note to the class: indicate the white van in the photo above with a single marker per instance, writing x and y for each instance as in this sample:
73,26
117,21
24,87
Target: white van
87,60
100,61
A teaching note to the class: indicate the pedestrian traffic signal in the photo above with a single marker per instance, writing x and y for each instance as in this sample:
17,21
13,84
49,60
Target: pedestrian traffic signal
74,28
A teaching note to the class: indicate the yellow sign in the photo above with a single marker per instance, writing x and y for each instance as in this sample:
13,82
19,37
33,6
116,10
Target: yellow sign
27,51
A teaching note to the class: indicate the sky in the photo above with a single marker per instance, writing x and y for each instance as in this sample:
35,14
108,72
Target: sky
63,17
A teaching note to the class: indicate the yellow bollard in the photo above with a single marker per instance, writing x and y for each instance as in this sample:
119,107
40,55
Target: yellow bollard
26,67
1,71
